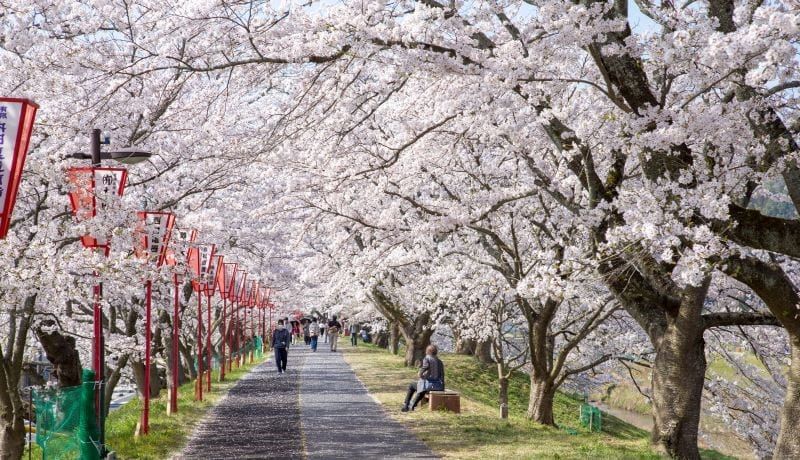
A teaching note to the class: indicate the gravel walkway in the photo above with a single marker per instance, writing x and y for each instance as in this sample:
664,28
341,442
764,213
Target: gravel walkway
259,418
341,420
318,410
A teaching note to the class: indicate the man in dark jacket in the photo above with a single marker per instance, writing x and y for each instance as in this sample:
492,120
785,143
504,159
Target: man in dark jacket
281,338
431,378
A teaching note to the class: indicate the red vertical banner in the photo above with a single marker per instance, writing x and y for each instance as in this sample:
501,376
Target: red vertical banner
154,233
16,126
201,260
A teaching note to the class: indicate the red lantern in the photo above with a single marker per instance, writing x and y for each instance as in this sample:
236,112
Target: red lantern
201,258
226,279
241,290
155,232
216,270
182,241
89,184
252,297
16,126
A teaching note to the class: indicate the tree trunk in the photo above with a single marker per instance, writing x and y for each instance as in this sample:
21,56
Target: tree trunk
503,400
788,446
138,374
394,338
679,370
60,351
188,358
173,362
382,339
415,350
465,346
12,438
155,380
113,379
483,351
540,402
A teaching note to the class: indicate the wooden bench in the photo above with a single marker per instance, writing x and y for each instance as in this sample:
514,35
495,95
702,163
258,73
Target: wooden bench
448,399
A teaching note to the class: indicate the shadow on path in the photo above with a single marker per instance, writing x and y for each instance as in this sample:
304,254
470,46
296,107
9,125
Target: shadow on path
319,405
258,419
341,420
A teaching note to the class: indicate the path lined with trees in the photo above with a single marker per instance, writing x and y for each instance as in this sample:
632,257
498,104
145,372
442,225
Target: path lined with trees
317,410
573,185
258,418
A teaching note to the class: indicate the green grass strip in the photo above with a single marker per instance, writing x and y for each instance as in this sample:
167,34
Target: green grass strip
478,432
168,433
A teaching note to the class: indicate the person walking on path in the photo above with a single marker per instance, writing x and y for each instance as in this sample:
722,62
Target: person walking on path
280,344
333,331
431,378
313,331
306,331
353,334
295,332
322,324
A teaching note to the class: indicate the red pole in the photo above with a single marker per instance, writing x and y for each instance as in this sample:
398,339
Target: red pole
100,364
198,390
231,329
222,339
173,397
208,344
252,335
148,287
97,324
238,334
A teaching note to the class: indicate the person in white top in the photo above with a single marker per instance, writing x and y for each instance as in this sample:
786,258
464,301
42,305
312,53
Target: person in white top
313,331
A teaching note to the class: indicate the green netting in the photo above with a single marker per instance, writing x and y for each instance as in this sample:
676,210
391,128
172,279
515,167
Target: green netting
591,417
259,347
66,425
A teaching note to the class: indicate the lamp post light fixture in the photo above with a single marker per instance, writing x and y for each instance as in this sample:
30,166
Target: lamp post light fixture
125,155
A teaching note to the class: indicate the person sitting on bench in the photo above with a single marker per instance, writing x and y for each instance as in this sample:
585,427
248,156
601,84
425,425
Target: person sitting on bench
431,378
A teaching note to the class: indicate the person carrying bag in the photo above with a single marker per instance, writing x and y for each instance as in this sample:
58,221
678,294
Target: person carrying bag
313,330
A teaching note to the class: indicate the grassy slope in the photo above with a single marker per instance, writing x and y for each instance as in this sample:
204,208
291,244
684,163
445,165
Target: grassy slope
168,434
478,432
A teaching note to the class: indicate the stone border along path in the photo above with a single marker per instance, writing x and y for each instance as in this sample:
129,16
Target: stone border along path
317,410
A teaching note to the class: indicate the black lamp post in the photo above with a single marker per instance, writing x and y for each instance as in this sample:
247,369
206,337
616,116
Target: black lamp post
126,155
